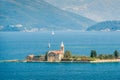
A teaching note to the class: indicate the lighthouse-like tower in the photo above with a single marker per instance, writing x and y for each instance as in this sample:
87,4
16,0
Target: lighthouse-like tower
62,48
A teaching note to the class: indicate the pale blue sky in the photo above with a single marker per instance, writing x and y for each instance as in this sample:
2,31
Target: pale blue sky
98,10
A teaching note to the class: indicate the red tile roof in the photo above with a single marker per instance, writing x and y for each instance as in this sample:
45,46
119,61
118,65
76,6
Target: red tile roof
57,52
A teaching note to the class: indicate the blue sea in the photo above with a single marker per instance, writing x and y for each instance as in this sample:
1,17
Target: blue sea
17,45
59,71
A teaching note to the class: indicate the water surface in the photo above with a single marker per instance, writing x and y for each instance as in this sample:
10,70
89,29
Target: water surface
60,71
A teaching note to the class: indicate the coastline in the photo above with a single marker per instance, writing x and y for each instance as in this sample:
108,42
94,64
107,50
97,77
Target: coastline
105,60
95,61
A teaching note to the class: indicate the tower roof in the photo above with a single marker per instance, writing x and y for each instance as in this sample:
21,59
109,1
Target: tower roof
62,45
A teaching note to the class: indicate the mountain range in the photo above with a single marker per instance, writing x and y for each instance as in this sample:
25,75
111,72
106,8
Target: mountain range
105,26
36,15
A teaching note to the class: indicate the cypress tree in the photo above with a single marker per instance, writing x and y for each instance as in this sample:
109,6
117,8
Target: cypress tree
93,54
116,54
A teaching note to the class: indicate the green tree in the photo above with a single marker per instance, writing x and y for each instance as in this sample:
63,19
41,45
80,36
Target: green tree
67,54
93,54
46,56
116,54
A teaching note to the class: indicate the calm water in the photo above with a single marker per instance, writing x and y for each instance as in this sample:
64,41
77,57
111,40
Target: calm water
59,71
17,45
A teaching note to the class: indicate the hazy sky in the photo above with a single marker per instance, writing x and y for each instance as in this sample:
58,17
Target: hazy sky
98,10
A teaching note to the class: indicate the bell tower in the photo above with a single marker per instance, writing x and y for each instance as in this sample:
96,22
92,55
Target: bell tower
62,47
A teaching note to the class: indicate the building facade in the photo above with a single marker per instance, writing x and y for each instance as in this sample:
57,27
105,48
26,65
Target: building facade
56,55
33,58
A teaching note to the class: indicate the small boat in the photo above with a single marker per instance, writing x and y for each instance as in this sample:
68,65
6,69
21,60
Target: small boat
48,45
53,33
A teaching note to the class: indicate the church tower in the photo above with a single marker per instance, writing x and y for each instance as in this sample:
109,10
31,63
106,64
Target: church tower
62,47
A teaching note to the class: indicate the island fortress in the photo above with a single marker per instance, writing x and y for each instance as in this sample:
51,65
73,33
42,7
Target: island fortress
51,56
56,55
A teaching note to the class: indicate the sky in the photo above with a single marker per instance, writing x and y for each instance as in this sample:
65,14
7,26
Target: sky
97,10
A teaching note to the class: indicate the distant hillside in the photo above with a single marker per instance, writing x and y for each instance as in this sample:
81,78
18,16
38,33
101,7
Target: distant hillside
35,15
105,26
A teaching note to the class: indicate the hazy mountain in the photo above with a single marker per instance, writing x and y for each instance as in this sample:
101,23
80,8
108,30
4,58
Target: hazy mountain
105,26
34,15
98,10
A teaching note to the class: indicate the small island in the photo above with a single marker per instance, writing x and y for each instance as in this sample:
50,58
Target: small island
67,56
